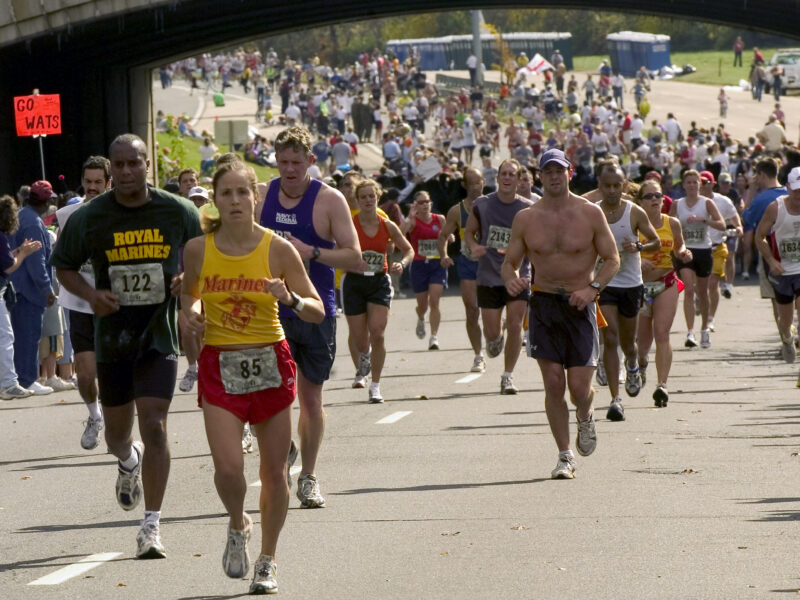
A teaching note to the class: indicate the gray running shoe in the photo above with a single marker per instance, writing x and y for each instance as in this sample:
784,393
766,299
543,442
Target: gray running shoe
788,352
705,338
507,387
264,576
91,433
643,374
616,412
364,364
290,460
421,329
15,392
236,558
148,542
495,347
633,382
129,483
478,365
586,441
565,468
189,379
600,375
308,492
247,439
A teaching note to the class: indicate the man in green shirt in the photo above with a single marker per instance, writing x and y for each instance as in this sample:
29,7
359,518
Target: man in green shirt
132,234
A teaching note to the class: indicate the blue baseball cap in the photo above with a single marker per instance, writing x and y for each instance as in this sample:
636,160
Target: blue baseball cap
554,155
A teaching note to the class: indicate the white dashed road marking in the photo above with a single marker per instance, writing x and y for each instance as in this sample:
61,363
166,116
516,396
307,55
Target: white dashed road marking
469,378
394,417
83,565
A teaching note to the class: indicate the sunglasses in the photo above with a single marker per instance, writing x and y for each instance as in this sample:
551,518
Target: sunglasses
653,196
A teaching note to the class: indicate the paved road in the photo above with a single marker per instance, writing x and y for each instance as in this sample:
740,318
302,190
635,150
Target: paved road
698,500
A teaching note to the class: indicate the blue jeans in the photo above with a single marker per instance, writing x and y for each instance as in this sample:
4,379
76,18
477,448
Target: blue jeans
26,320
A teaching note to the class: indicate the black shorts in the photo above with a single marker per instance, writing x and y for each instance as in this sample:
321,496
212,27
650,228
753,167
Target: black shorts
627,300
313,347
497,296
702,262
358,290
152,376
787,288
561,333
81,331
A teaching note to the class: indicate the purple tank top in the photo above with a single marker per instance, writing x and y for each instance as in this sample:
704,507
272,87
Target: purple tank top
298,222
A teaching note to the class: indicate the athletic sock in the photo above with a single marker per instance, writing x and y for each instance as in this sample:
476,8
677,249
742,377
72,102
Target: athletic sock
566,454
152,515
479,354
507,373
94,410
129,464
374,386
193,367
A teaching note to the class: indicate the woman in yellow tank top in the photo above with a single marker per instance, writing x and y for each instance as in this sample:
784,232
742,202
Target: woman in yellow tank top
240,271
661,287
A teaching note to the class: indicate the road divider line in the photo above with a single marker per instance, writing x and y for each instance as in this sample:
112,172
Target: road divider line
73,570
469,378
292,471
394,417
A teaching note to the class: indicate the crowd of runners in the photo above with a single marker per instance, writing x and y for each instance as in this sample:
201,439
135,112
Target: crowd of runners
575,244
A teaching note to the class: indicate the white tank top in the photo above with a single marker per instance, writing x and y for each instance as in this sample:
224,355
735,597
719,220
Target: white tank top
695,234
787,236
630,266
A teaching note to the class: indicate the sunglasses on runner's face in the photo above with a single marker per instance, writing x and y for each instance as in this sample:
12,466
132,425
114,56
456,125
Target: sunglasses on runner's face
652,196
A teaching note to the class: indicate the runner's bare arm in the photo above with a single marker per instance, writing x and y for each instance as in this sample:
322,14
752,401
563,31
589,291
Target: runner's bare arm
716,221
471,230
450,226
515,253
402,244
285,261
762,231
679,248
606,247
103,302
645,227
190,290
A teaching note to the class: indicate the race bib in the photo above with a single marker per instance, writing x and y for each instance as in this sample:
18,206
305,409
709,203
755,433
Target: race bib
653,289
137,285
499,238
428,248
374,261
246,371
694,234
789,249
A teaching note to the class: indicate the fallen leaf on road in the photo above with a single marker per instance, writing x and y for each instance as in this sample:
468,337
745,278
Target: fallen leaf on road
795,453
561,569
453,533
742,547
445,553
519,527
197,555
694,412
646,443
688,471
88,577
121,585
422,397
26,477
62,400
680,419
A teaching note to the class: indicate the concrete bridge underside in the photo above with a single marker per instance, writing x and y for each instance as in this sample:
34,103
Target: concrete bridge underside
98,53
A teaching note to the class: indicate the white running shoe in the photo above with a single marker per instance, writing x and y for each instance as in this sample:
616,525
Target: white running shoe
495,347
247,439
129,483
710,324
148,542
236,558
565,468
705,338
290,459
691,341
375,396
788,352
359,382
507,387
433,343
479,364
37,389
15,392
91,433
189,379
58,384
308,492
600,375
264,576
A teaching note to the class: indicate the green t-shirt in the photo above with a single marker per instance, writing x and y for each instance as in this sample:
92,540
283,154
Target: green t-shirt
135,252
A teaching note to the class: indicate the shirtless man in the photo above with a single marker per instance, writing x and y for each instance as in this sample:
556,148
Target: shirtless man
563,235
316,219
466,264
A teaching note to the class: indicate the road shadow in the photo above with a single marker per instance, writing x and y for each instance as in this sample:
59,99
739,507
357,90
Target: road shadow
434,487
55,528
507,426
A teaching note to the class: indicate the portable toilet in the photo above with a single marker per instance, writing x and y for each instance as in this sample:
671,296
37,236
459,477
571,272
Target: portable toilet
630,50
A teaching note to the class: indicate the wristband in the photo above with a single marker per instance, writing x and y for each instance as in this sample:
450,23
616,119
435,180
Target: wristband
297,304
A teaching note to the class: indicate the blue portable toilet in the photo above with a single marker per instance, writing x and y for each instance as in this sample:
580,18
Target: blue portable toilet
630,50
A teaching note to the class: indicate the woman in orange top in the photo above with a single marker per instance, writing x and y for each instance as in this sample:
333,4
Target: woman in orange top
241,271
661,287
368,292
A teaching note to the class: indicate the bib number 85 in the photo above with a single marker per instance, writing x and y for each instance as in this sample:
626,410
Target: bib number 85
250,367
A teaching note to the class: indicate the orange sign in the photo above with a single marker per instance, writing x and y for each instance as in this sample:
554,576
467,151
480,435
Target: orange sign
38,115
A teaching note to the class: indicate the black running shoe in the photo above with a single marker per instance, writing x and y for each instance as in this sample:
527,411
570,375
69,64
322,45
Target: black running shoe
660,397
616,412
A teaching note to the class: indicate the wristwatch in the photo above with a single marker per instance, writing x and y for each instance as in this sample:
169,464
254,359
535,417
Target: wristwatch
596,286
639,246
315,253
297,303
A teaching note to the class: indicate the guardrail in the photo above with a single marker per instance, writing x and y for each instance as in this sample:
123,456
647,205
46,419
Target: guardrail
451,82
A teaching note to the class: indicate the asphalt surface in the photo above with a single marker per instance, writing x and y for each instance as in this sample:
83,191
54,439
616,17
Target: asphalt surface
454,500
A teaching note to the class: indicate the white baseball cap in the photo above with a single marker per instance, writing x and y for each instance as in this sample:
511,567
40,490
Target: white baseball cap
793,181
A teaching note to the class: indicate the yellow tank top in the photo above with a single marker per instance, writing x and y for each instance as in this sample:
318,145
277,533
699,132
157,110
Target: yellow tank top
238,310
661,258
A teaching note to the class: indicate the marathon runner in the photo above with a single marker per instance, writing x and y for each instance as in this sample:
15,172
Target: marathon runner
661,288
563,235
621,299
696,214
488,232
466,264
428,276
316,220
132,235
241,272
368,292
95,179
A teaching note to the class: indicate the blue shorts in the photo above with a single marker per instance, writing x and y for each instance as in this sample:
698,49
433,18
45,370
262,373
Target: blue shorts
425,273
313,347
466,268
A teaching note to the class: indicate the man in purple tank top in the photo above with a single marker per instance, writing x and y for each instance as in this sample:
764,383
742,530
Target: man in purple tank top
316,219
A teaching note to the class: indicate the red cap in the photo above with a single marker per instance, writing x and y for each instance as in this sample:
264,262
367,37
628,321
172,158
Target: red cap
41,191
653,175
707,177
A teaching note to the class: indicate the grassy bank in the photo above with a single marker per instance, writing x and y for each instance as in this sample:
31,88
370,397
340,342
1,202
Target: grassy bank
714,67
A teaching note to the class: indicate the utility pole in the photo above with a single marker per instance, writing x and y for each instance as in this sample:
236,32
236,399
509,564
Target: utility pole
477,46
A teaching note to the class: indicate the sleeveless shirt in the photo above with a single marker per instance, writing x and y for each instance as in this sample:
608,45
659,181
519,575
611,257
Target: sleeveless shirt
298,222
630,266
373,249
787,238
425,238
237,307
465,251
661,258
694,234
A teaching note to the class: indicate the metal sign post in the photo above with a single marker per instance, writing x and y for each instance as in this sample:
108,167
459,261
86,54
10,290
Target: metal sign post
41,152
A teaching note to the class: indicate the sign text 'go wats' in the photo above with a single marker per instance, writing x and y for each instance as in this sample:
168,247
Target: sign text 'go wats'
38,115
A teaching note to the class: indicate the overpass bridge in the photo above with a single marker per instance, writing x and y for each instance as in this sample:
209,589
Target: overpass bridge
98,54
